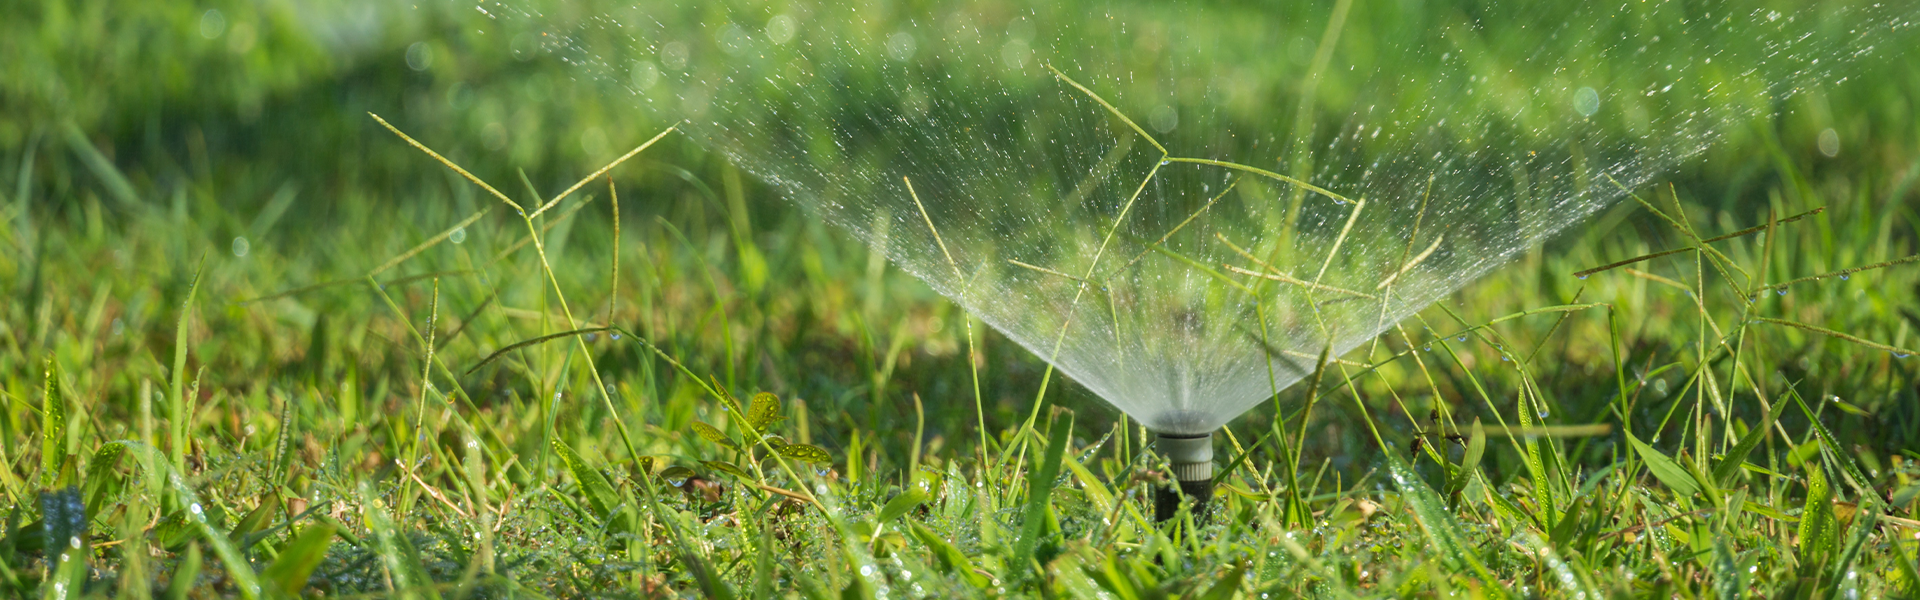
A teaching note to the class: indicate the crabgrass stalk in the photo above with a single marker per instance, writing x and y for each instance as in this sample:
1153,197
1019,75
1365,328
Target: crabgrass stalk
973,356
533,232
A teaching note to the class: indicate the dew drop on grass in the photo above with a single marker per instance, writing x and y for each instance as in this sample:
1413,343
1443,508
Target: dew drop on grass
1781,291
1463,338
1582,277
459,235
1843,276
241,247
614,335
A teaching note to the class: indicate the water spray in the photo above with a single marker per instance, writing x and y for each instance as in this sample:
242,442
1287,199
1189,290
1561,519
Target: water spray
1076,198
1192,460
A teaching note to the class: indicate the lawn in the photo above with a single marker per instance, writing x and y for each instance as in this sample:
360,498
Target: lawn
346,299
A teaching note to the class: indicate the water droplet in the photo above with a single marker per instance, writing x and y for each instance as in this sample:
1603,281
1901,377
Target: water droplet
1429,347
241,247
1843,276
1463,338
615,335
195,508
459,235
1781,291
1582,277
1586,101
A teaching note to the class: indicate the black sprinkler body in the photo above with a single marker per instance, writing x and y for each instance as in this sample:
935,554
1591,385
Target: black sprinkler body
1192,460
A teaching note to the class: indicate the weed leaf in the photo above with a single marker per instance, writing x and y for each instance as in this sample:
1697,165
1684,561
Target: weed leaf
728,468
806,452
676,475
713,434
764,411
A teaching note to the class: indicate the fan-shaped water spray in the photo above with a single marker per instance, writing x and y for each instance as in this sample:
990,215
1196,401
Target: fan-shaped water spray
1182,208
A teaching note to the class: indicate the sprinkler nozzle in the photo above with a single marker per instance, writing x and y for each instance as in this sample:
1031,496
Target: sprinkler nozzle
1192,460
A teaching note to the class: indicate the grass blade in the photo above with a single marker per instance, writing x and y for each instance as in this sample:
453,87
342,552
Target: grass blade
1816,523
1664,469
53,429
179,420
1439,526
1040,487
288,574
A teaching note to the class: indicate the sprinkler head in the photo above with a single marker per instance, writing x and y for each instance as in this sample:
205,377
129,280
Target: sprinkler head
1192,459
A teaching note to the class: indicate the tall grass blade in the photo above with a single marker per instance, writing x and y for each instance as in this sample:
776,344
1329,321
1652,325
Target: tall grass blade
179,417
118,188
1816,523
401,560
1664,469
600,494
1040,483
53,428
288,574
1729,466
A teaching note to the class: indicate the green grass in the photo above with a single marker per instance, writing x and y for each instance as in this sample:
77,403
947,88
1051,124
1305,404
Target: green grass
398,386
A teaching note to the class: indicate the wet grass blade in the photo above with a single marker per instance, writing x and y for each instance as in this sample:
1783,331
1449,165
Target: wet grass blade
399,557
1729,466
288,574
599,493
53,429
1816,523
902,504
1040,487
1664,469
1439,525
